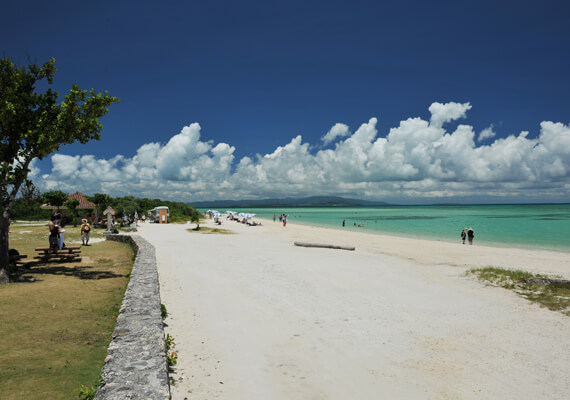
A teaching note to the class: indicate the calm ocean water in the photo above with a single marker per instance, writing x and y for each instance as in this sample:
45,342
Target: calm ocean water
537,226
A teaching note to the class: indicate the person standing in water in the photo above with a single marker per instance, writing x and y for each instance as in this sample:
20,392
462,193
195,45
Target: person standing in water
343,222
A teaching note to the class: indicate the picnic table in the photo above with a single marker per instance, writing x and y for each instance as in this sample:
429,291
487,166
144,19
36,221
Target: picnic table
68,253
15,258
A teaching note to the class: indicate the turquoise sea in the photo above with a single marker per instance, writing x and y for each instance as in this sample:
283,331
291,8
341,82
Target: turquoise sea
536,226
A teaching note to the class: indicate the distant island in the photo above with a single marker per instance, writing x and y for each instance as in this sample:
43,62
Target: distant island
314,201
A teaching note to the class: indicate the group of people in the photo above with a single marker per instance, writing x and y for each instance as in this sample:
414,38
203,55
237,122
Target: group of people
133,218
56,232
467,233
358,225
282,218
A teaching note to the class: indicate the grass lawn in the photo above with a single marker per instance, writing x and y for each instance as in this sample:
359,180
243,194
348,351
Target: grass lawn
57,319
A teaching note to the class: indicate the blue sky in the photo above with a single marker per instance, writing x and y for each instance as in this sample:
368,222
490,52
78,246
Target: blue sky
224,100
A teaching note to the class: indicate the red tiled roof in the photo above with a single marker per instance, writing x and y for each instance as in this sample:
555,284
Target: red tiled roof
83,202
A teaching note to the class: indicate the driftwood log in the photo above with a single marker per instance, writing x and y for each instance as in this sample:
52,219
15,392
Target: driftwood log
325,246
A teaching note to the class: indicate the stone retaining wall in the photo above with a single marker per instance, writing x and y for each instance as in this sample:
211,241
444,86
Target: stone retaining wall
136,367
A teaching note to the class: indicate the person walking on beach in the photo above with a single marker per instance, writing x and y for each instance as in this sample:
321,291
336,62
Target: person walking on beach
343,222
463,235
470,235
284,221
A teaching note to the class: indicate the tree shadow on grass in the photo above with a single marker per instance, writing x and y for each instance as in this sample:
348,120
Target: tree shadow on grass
81,272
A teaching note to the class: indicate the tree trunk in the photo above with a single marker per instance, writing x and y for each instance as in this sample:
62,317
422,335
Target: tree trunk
6,204
5,208
4,247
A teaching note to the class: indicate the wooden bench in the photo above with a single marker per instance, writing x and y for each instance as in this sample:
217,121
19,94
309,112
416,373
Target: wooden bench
16,259
68,253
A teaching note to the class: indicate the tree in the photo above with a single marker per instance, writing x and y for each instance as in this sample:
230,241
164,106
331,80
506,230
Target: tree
125,206
55,198
195,218
28,205
72,205
102,200
33,125
30,192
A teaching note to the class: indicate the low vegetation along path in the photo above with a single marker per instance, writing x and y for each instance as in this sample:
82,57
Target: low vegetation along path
255,317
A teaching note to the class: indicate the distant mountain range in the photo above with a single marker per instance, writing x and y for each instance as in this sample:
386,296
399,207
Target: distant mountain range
314,201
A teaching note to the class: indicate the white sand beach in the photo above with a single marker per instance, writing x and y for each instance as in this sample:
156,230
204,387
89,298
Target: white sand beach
255,317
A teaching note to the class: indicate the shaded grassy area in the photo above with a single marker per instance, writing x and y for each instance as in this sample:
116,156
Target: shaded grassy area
554,296
208,230
58,318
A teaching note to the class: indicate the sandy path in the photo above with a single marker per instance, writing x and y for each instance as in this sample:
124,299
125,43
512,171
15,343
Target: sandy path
255,317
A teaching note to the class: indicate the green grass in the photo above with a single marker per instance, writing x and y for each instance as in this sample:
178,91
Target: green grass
26,236
554,296
208,230
57,319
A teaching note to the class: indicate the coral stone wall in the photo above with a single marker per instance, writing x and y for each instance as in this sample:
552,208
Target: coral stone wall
136,366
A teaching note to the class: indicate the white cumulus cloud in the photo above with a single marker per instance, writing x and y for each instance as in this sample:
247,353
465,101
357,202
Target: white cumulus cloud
486,133
415,160
442,113
338,130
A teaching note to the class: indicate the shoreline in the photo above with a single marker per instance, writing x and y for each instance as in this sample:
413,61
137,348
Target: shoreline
451,253
478,242
543,227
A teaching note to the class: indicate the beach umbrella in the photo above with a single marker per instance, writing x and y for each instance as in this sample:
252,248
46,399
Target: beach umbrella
246,215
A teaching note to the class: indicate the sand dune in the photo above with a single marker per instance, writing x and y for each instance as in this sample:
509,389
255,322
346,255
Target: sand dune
255,317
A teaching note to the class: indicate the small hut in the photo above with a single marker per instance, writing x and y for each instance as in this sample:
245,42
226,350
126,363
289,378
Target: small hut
82,208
